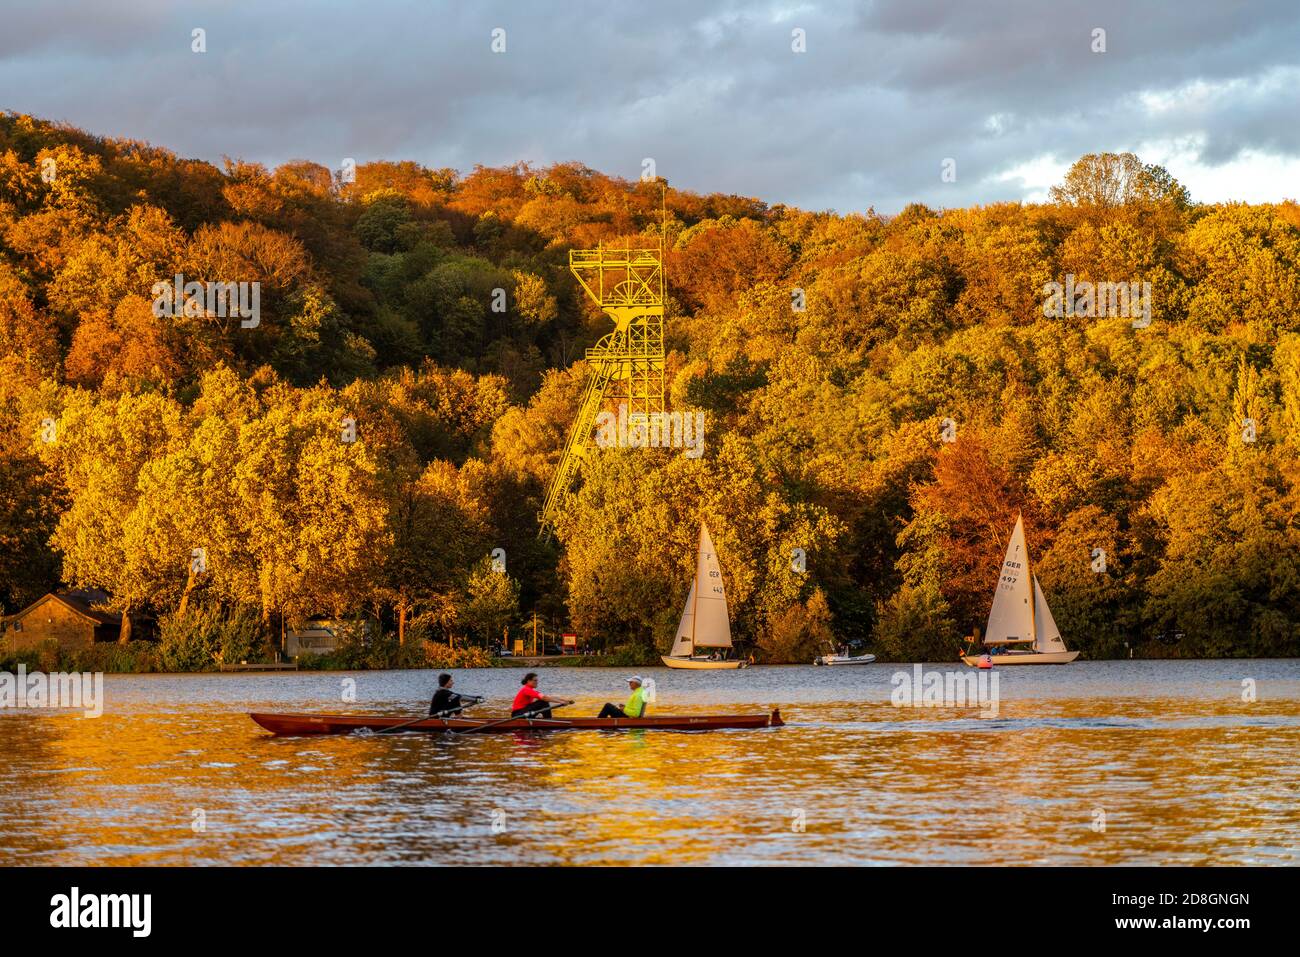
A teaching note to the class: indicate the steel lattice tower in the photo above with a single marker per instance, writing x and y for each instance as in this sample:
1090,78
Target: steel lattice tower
627,365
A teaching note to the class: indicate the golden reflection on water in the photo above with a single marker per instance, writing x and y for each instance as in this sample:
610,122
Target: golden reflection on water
1177,769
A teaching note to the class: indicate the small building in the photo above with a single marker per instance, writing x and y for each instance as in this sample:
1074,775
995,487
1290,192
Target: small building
319,635
310,640
74,619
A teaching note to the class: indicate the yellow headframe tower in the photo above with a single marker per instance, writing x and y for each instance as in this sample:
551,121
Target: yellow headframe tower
627,365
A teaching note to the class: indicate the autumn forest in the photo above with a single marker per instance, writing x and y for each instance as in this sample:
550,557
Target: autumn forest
882,394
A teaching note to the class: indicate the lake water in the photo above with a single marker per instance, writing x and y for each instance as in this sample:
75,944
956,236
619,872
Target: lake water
1134,762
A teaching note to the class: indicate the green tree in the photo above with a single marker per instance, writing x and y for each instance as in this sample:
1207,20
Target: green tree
489,602
1113,179
801,633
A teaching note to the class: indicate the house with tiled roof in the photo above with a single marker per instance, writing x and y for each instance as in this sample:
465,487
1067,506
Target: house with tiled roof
74,619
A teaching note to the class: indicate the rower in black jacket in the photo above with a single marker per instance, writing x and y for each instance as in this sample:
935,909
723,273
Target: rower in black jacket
446,703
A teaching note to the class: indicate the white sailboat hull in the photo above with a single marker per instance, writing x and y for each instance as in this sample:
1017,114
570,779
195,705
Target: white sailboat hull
702,664
1024,658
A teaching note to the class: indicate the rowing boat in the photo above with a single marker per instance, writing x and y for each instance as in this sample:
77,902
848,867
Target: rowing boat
296,724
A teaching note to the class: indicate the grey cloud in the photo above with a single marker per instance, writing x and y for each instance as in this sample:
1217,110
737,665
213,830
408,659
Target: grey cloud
713,92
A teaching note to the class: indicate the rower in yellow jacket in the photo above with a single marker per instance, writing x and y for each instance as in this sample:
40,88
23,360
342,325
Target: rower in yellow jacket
635,707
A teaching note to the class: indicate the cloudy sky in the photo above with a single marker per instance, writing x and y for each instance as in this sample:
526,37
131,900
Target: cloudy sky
1011,90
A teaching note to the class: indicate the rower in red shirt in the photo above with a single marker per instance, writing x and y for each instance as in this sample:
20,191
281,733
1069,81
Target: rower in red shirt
531,702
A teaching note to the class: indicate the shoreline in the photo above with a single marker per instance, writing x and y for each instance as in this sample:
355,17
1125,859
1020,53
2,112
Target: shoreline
292,668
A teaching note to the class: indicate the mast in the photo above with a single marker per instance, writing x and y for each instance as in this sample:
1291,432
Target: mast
1029,573
695,588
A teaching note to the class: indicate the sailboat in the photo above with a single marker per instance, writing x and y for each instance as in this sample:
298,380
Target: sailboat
705,623
1021,630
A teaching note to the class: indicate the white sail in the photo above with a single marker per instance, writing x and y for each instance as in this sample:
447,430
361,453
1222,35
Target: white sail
1049,636
682,643
1011,618
712,624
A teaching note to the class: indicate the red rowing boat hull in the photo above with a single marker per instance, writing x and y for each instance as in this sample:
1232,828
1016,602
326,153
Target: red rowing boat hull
296,724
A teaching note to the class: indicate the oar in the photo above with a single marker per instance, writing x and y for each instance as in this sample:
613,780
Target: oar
399,727
469,699
514,717
452,712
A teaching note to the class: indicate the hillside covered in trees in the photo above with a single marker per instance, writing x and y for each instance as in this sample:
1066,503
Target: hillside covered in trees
882,393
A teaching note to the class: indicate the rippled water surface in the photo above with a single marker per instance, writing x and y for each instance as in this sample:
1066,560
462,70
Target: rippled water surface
1166,755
